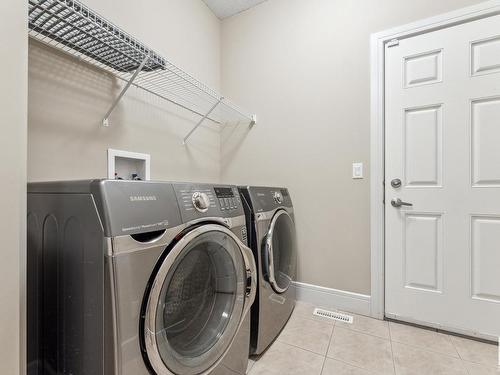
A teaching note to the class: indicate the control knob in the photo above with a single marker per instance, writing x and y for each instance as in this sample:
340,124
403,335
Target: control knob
201,201
277,197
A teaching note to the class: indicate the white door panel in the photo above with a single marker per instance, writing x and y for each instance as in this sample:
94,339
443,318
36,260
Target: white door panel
484,258
443,143
422,252
486,56
423,166
485,142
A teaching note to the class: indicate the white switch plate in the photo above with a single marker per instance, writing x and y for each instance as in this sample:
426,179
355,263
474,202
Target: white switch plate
357,170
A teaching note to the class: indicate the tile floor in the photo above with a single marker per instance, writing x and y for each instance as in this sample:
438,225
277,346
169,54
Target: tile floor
310,345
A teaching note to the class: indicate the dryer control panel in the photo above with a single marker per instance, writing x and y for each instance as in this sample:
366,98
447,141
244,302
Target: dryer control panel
263,198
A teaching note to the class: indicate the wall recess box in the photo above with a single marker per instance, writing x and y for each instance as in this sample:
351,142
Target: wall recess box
123,164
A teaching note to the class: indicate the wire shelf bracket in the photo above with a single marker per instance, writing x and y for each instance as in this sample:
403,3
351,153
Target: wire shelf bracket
105,121
73,28
201,121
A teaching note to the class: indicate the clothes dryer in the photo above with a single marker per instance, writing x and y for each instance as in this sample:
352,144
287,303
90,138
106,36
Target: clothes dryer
271,233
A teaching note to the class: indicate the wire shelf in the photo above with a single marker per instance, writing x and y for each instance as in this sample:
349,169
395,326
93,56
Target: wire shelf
76,29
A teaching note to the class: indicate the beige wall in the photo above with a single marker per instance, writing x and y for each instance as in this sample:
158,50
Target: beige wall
67,99
13,96
303,67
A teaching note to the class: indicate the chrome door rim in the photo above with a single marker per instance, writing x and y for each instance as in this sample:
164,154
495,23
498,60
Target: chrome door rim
151,346
269,252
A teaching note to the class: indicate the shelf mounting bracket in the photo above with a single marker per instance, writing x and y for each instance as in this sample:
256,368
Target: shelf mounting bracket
202,119
253,121
105,121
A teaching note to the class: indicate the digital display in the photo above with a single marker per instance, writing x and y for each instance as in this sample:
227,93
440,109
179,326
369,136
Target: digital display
224,192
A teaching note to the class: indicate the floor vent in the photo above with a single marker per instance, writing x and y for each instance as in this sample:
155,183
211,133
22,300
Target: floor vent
333,315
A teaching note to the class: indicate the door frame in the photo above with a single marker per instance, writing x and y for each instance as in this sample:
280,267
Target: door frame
378,43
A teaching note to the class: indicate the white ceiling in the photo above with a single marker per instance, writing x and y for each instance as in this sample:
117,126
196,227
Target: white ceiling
228,8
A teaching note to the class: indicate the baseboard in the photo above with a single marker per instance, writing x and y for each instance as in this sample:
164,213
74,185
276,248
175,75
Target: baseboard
333,298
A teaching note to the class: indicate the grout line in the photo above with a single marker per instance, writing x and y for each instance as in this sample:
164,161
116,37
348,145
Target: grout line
392,351
364,333
345,362
287,343
323,365
410,345
391,340
448,338
251,367
352,365
482,365
460,359
455,347
428,350
307,350
330,342
465,367
352,328
298,347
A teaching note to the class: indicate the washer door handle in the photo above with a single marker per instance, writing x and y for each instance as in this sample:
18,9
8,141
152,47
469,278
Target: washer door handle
249,285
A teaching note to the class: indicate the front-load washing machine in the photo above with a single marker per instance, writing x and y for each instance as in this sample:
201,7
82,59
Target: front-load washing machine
271,234
136,278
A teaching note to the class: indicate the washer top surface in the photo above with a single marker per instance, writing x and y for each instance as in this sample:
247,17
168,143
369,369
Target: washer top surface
125,207
130,207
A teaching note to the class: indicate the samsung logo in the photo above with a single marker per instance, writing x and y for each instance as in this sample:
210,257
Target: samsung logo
136,198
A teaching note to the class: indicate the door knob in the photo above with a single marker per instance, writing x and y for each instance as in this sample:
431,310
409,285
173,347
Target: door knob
398,203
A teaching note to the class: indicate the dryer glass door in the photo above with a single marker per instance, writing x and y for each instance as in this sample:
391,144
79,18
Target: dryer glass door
280,256
196,303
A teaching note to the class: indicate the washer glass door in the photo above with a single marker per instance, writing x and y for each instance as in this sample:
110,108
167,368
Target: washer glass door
280,256
196,303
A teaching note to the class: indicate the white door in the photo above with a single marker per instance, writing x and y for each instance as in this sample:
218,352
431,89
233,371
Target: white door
443,144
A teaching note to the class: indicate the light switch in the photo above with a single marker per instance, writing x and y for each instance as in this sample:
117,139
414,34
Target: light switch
357,170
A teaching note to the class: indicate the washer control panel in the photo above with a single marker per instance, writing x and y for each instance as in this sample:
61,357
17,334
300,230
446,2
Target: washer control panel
228,198
204,200
198,199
